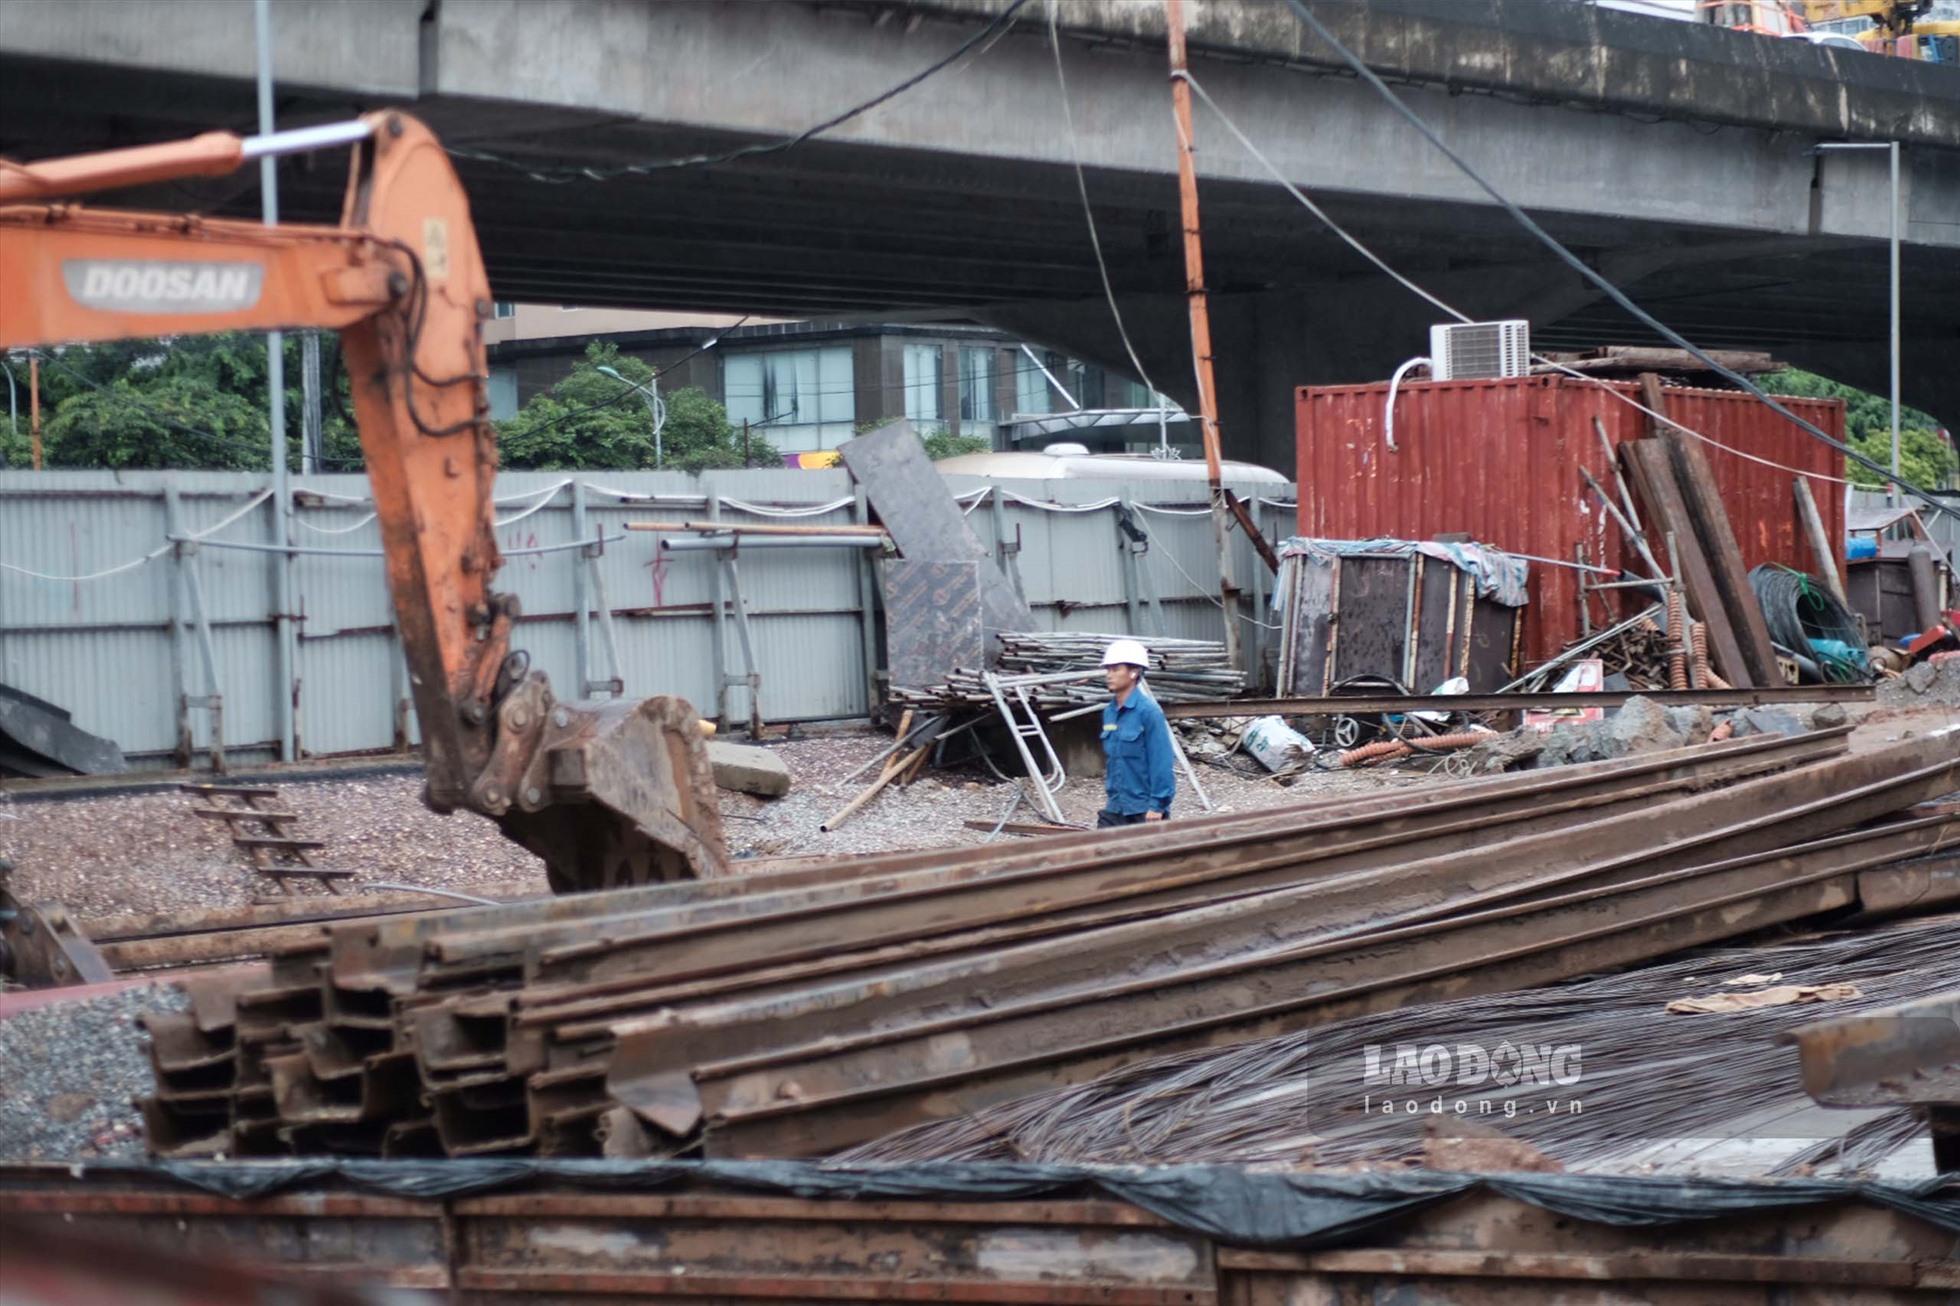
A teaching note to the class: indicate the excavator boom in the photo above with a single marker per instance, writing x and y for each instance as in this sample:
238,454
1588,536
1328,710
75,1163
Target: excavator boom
607,793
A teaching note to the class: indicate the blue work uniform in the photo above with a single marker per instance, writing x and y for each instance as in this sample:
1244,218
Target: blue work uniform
1137,764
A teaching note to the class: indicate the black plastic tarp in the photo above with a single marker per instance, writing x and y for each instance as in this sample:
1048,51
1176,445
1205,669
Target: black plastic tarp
1255,1208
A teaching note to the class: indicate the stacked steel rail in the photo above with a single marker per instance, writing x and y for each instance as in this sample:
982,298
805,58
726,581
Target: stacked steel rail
823,1004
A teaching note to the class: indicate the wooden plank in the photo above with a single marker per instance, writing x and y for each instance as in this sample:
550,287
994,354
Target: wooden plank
277,842
243,814
1259,542
229,791
1022,827
754,528
1703,501
1821,552
1667,516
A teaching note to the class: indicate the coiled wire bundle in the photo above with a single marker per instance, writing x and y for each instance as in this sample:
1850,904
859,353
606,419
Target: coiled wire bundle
1807,620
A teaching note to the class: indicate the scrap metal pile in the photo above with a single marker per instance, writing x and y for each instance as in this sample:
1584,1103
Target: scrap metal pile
822,1004
1663,1062
1181,671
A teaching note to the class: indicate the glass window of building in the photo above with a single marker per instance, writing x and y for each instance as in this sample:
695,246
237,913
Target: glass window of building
923,379
977,385
796,399
1034,392
503,394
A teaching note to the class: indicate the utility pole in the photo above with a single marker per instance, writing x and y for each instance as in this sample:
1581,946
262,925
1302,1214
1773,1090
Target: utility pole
275,389
1194,289
1892,496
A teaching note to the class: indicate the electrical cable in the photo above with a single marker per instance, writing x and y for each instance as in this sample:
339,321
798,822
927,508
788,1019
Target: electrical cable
1420,292
1205,593
1082,189
1806,618
704,346
1599,282
558,176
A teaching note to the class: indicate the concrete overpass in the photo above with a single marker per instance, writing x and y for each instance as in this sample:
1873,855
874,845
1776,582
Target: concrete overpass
1677,158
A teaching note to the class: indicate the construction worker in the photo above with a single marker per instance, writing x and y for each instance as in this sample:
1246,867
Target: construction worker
1137,773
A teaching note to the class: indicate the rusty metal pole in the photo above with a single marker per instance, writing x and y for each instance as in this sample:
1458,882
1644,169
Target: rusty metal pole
34,407
1194,288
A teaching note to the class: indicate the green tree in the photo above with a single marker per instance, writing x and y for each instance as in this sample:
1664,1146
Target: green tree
1926,458
592,420
179,421
189,402
939,443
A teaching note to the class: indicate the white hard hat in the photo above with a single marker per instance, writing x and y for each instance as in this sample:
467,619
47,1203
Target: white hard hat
1126,652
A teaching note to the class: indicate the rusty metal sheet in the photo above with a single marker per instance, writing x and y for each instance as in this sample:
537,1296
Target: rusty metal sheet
1371,617
1499,461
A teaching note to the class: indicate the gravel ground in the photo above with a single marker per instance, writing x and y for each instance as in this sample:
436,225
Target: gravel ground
111,854
932,811
70,1074
147,852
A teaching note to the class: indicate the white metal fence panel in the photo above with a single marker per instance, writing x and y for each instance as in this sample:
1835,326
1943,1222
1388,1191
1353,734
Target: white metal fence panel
123,594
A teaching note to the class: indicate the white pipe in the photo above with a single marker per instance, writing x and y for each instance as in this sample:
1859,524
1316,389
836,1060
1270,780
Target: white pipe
304,140
1395,379
703,544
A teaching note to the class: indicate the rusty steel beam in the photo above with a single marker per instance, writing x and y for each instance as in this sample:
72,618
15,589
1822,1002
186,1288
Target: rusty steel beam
1400,704
1902,1056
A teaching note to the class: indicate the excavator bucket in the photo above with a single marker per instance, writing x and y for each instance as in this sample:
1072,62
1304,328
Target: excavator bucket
614,794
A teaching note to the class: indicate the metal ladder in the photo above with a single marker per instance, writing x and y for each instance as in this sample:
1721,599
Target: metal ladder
1047,779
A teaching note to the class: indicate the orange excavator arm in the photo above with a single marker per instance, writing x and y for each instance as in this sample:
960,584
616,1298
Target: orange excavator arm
608,793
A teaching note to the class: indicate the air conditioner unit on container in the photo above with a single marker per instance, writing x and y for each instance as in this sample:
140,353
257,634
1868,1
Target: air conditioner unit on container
1464,351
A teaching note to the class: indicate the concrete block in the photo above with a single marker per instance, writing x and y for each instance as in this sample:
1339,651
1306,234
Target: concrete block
748,769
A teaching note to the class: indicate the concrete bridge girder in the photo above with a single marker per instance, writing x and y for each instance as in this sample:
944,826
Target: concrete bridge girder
1675,157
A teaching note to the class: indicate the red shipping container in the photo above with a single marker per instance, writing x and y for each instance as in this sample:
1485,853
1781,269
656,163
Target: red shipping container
1499,461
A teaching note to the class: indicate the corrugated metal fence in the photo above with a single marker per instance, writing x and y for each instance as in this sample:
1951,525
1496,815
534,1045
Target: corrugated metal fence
124,595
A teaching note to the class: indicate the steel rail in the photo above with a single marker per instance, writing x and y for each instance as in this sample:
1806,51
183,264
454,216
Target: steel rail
389,957
592,1007
1744,818
1515,946
661,941
1401,704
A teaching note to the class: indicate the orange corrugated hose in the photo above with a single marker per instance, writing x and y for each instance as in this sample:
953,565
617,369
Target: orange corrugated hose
1677,655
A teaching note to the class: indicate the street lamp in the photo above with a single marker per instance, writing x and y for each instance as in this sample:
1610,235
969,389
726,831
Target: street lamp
656,406
1892,150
